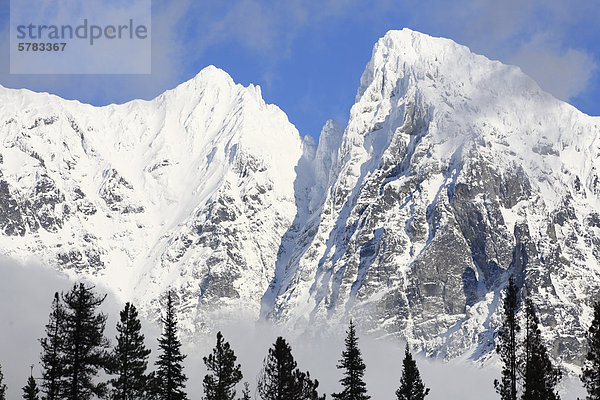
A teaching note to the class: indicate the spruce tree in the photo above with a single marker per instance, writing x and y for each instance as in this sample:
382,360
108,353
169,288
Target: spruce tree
411,385
591,369
277,381
539,376
129,358
281,380
2,385
85,347
507,344
170,379
224,374
53,384
354,388
30,390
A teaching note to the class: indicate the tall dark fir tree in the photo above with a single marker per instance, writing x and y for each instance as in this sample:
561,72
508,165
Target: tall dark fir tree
281,380
130,358
354,387
277,381
223,373
539,376
590,376
411,385
52,358
85,347
507,344
170,379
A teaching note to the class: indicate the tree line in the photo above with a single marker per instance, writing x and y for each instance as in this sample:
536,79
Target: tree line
75,353
527,371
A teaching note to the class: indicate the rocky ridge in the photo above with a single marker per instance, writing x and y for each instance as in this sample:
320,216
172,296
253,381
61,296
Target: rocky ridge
452,173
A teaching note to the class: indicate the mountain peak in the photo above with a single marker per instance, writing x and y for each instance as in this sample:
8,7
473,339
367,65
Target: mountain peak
208,76
212,72
416,40
215,79
408,54
441,71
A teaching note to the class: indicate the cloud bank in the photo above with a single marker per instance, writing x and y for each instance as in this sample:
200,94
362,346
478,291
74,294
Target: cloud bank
26,292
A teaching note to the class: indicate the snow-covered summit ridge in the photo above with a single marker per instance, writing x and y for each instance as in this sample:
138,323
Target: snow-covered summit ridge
473,101
407,54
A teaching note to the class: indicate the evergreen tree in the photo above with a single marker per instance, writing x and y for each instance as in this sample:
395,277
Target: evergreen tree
84,345
130,358
281,380
170,379
31,391
411,385
53,384
591,369
2,385
277,381
224,374
539,376
507,344
354,388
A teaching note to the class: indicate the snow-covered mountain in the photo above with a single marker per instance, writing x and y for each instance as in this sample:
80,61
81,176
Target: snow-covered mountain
191,190
453,172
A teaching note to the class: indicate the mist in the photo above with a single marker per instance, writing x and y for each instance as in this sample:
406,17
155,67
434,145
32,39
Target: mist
26,293
27,290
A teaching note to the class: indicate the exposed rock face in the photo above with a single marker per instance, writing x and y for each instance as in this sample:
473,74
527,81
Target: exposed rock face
453,173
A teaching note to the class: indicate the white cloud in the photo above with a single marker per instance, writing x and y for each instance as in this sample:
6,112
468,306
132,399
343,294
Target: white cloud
562,72
26,293
536,35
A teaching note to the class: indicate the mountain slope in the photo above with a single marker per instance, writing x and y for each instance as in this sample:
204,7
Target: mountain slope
192,190
452,173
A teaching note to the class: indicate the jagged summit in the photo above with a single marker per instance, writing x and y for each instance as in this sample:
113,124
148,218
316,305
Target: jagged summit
216,79
407,54
413,79
212,73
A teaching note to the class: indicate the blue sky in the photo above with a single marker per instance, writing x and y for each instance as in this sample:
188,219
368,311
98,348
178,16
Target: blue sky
308,55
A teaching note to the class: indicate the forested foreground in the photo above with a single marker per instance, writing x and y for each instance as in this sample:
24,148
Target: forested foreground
78,362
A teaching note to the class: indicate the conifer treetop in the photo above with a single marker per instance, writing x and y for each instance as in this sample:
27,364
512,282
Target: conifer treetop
354,387
169,375
224,374
31,390
411,385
